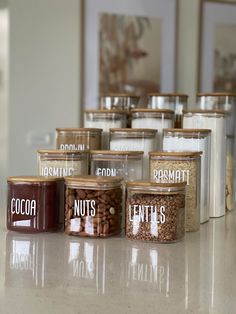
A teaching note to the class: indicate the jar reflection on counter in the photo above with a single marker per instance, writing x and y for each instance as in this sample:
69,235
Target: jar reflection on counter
35,204
78,138
158,119
175,102
155,211
127,164
178,167
105,119
135,140
180,140
62,163
93,206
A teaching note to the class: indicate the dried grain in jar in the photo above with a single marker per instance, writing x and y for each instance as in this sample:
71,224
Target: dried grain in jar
155,211
177,167
93,206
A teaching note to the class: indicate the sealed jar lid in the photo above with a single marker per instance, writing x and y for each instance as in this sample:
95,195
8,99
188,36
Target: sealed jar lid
79,130
206,112
58,154
107,111
149,186
133,132
33,179
144,110
154,113
218,94
93,181
115,154
126,95
193,133
167,95
175,155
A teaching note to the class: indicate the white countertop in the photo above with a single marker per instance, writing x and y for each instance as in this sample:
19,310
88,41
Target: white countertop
55,273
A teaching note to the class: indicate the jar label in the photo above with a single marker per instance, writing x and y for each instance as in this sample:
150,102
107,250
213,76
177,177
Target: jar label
84,208
72,146
147,213
109,172
56,172
23,207
171,176
123,147
21,261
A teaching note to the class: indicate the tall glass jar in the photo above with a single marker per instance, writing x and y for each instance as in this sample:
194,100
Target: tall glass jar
135,140
227,102
105,119
175,102
127,164
175,167
78,138
62,163
155,211
216,121
158,119
181,140
93,206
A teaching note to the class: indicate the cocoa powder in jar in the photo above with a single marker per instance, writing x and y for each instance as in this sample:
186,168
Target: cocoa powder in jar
94,211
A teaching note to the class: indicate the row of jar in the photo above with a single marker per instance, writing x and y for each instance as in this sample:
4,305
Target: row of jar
91,206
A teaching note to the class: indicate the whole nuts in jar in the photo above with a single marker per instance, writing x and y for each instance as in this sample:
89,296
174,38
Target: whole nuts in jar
93,206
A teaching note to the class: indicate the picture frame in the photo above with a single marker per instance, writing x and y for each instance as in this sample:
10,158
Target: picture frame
152,12
217,46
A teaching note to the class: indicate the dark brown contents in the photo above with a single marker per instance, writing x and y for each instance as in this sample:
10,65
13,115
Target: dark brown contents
101,217
34,207
173,227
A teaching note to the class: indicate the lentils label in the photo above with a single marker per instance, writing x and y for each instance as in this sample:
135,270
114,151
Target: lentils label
147,213
171,176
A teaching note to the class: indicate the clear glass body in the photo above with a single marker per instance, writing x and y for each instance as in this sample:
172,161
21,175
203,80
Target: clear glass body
34,205
128,166
171,169
105,119
155,213
135,140
120,101
93,209
180,141
217,123
58,163
153,119
78,139
175,102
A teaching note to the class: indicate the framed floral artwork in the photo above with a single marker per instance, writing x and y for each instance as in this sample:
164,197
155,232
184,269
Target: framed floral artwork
129,47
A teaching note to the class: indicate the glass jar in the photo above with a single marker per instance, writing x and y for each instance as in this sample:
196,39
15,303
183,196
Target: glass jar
62,163
175,167
93,206
158,119
127,164
216,121
34,204
119,101
135,140
180,140
175,102
105,119
78,138
227,102
155,211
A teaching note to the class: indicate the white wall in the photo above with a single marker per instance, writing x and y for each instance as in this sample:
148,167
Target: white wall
44,76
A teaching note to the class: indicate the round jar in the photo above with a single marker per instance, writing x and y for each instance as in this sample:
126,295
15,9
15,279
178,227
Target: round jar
180,140
105,119
175,167
34,204
175,102
93,206
216,121
135,140
127,164
155,211
78,138
62,163
158,119
119,101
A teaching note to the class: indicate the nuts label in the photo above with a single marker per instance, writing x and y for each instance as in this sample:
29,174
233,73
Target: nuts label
56,172
109,172
171,176
147,213
24,207
84,208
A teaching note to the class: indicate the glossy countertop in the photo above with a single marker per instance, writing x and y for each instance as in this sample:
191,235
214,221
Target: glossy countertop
55,273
